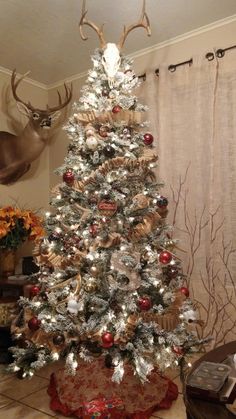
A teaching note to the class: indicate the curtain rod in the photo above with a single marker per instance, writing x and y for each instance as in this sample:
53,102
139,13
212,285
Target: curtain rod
220,53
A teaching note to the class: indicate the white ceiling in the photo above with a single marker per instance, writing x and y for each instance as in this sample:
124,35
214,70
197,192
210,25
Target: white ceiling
42,35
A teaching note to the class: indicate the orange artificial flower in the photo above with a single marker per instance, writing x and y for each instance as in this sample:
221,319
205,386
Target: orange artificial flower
26,216
4,228
13,233
9,215
9,212
36,232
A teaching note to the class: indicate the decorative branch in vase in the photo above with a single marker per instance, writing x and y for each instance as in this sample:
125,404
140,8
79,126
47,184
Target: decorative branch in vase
16,226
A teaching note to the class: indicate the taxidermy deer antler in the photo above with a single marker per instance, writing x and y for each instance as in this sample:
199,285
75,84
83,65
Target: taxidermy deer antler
111,54
18,152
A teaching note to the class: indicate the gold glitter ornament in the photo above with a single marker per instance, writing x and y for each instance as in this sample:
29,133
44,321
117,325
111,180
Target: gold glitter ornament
91,285
170,245
94,271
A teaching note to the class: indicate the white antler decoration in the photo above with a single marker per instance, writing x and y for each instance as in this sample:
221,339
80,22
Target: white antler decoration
111,55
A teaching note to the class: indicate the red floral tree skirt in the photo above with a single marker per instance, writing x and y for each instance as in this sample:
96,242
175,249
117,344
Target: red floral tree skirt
91,394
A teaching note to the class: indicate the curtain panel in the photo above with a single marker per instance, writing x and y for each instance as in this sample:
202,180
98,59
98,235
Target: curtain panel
192,114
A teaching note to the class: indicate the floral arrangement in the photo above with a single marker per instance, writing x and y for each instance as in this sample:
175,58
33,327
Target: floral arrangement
17,225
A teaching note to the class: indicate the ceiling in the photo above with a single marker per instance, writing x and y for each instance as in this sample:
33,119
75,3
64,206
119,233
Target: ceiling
42,35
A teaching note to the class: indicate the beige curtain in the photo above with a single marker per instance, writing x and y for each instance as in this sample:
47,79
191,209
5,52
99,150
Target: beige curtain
193,115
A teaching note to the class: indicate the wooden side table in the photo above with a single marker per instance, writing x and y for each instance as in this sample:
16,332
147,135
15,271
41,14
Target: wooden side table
200,409
10,291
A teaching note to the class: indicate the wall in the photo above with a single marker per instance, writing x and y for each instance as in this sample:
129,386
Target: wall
58,147
171,52
186,46
32,190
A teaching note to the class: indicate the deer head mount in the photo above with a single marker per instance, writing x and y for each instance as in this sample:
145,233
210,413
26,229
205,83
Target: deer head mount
111,52
17,152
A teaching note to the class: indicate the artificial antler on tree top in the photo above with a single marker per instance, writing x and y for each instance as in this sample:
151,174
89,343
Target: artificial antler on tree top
143,22
111,52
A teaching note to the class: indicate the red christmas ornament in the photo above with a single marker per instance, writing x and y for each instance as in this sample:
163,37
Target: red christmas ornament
185,291
34,323
107,340
162,202
144,303
93,230
165,257
34,290
117,109
68,177
148,139
178,350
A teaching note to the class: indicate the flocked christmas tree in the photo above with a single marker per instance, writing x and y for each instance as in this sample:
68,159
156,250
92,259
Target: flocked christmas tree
109,283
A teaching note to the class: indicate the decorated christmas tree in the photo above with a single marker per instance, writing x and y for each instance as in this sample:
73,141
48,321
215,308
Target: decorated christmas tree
110,284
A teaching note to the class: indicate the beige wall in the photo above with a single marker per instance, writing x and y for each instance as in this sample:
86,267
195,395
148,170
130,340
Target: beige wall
58,147
178,50
32,190
189,46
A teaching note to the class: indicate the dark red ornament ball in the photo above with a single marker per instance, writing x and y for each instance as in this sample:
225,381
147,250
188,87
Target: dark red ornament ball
34,323
165,257
109,151
34,290
172,271
162,202
58,340
93,229
144,303
185,291
148,138
117,109
178,350
68,177
107,340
